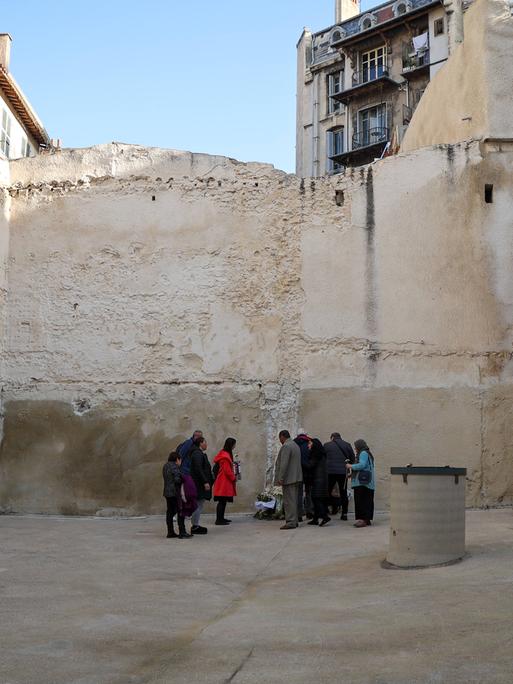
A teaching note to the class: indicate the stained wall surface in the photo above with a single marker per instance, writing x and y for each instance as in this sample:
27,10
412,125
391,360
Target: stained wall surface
151,292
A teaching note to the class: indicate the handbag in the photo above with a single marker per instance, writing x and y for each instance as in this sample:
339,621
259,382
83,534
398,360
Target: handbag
365,476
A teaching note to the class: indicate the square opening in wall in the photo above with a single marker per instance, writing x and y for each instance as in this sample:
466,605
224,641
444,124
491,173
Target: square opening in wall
489,194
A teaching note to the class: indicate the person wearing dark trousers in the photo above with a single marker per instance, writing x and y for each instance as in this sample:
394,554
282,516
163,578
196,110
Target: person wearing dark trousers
364,484
338,453
201,473
224,484
172,483
289,476
319,471
305,506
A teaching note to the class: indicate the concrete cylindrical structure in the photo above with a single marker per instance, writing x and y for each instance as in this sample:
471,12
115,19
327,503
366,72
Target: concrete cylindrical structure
427,516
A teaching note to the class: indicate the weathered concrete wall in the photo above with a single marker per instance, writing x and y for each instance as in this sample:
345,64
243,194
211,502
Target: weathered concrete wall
470,97
151,292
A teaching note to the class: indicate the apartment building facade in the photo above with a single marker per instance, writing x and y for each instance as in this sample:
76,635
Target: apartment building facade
21,132
360,80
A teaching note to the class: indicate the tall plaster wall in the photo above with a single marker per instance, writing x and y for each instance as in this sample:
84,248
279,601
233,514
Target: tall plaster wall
152,292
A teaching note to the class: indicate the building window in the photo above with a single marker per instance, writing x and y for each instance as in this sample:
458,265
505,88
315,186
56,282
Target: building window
367,22
336,36
372,126
5,134
401,7
373,65
26,149
335,84
335,146
439,27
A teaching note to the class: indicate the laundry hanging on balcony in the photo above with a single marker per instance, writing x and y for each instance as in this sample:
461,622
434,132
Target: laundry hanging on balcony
420,43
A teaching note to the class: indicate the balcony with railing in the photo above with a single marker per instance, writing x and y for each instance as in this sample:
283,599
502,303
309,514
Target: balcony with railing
370,73
416,55
367,144
370,77
369,137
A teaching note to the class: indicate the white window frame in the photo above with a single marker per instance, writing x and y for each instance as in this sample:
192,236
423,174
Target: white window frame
335,87
376,62
384,120
335,144
5,133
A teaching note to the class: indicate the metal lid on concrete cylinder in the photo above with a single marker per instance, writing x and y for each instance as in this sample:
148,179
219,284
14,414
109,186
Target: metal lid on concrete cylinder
427,516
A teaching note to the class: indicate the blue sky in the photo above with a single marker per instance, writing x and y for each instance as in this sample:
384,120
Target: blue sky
216,77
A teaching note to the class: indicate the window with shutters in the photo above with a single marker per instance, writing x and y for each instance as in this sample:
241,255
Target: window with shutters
335,84
335,146
5,134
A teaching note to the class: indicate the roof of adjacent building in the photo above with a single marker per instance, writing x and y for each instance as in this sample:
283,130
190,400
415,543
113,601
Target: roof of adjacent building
22,107
350,28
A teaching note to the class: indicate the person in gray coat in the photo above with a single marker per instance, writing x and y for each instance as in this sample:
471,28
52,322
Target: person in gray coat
289,476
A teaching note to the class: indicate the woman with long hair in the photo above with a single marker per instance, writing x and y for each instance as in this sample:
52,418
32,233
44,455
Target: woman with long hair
224,485
364,483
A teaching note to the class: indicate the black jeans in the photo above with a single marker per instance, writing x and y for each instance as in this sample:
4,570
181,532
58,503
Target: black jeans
363,503
341,480
172,510
220,510
320,508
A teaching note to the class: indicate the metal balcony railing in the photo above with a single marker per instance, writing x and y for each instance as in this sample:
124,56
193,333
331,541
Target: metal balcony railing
413,61
370,136
370,73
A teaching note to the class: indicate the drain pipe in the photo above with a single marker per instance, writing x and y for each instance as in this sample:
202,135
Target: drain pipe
315,132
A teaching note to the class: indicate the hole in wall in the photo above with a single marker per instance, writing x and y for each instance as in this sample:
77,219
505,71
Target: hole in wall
489,194
339,198
153,198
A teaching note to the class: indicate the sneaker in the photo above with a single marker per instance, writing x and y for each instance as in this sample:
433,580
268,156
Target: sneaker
227,520
197,529
360,523
222,522
172,535
184,535
313,522
324,521
288,527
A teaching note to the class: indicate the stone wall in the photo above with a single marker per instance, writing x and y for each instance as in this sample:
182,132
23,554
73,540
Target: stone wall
152,292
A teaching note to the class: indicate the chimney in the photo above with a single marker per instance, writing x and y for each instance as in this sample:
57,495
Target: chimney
5,50
345,9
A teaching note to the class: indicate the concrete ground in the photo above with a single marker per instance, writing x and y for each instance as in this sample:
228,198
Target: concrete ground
94,601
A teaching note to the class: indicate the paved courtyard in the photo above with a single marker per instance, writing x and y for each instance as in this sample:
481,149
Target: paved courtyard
102,601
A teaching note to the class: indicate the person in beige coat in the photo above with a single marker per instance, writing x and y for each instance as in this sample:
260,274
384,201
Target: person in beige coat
289,476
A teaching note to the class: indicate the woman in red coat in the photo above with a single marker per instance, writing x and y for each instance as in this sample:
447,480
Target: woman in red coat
224,485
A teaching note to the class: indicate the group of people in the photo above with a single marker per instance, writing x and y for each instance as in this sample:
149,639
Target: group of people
307,471
190,480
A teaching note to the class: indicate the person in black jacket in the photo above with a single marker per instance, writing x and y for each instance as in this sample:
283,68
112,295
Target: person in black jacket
305,505
172,483
319,474
201,473
338,453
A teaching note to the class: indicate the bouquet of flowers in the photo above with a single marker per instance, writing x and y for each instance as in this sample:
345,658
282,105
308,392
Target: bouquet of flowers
269,504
